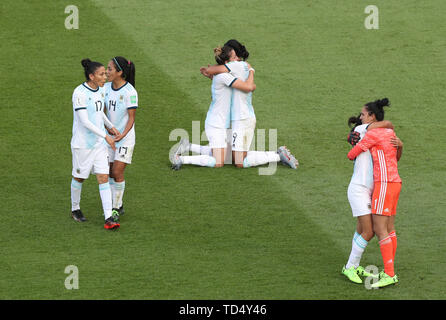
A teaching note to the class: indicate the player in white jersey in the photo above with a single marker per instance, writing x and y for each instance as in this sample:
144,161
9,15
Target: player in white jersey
218,116
87,144
243,119
121,100
359,195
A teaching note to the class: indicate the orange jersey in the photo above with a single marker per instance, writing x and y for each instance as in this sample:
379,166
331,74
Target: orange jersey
385,167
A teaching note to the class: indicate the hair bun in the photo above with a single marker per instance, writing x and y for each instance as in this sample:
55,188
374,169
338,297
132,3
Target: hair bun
383,103
85,62
217,51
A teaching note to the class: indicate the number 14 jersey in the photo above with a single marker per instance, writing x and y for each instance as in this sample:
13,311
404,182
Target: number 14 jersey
118,102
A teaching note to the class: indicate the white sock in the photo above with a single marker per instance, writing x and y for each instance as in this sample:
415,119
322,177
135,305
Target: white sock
105,192
203,150
76,189
257,158
111,181
202,160
358,247
118,194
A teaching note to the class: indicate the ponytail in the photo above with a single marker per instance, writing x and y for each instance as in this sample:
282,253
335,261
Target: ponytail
355,121
127,67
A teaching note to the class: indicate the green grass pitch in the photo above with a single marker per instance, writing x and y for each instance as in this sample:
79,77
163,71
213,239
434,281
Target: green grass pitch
226,233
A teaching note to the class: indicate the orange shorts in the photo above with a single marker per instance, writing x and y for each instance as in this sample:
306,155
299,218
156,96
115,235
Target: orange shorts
385,198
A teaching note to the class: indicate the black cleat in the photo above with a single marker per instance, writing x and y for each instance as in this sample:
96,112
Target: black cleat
78,216
110,223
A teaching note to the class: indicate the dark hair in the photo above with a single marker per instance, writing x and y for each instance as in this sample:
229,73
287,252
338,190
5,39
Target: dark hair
355,121
222,54
90,67
127,67
376,108
239,49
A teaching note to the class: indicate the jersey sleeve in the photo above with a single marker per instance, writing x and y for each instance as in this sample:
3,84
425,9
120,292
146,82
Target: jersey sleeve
353,153
228,79
83,118
369,140
131,101
79,101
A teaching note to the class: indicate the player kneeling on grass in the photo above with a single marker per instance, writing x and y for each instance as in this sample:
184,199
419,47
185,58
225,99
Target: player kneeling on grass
87,144
242,114
218,116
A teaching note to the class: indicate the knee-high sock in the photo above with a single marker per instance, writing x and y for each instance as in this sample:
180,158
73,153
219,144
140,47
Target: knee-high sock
111,181
105,192
386,248
202,160
392,236
358,246
257,158
118,194
203,150
76,190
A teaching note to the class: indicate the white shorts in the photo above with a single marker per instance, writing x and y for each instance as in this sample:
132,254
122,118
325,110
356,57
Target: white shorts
122,154
217,137
242,134
360,198
86,161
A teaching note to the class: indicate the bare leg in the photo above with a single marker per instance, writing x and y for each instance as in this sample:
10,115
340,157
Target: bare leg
219,155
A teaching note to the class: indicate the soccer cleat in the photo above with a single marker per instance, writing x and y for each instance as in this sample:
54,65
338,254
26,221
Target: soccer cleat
287,158
351,274
177,163
121,211
115,215
182,147
361,272
111,224
385,280
78,216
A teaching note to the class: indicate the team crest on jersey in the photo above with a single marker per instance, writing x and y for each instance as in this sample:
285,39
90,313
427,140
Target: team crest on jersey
121,97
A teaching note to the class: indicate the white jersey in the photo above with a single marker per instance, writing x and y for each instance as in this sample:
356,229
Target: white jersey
93,101
218,115
241,104
363,165
117,102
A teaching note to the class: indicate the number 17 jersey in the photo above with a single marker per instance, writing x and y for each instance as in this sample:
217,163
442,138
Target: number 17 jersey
118,102
91,100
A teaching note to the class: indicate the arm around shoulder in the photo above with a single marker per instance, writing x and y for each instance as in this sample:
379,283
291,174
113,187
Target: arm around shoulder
380,124
245,86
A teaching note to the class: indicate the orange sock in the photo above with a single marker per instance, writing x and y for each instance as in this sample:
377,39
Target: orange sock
386,248
392,236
